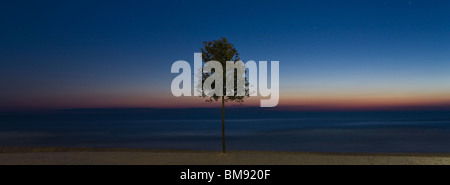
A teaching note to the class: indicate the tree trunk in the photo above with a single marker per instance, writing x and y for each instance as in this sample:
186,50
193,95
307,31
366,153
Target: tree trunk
223,124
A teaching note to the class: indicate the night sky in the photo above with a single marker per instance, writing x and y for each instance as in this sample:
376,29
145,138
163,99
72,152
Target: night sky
333,54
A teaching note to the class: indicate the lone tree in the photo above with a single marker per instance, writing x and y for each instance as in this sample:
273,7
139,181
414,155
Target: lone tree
222,51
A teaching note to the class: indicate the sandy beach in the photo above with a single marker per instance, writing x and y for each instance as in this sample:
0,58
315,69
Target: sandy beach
96,156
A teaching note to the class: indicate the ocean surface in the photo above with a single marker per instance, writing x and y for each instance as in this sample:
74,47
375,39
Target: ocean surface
246,129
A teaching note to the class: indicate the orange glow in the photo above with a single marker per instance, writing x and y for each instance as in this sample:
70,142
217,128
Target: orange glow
365,100
302,101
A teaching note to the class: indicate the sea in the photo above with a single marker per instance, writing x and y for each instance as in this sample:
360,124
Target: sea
254,129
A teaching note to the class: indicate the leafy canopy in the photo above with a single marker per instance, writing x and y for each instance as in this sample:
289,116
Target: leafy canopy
221,50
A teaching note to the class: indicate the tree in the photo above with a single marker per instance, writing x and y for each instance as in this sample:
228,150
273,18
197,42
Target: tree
222,51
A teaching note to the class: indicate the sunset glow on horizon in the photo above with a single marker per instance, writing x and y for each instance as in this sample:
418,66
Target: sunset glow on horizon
350,55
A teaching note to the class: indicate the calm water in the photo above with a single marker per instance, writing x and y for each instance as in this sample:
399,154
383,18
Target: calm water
311,132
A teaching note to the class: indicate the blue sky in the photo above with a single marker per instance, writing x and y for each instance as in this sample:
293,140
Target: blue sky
57,54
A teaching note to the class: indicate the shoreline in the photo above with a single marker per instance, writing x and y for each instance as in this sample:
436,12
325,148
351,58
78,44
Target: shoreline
138,156
106,149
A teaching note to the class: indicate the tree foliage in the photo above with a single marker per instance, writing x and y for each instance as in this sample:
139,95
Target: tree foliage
222,51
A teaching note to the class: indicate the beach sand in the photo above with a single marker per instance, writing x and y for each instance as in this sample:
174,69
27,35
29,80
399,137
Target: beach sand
103,156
